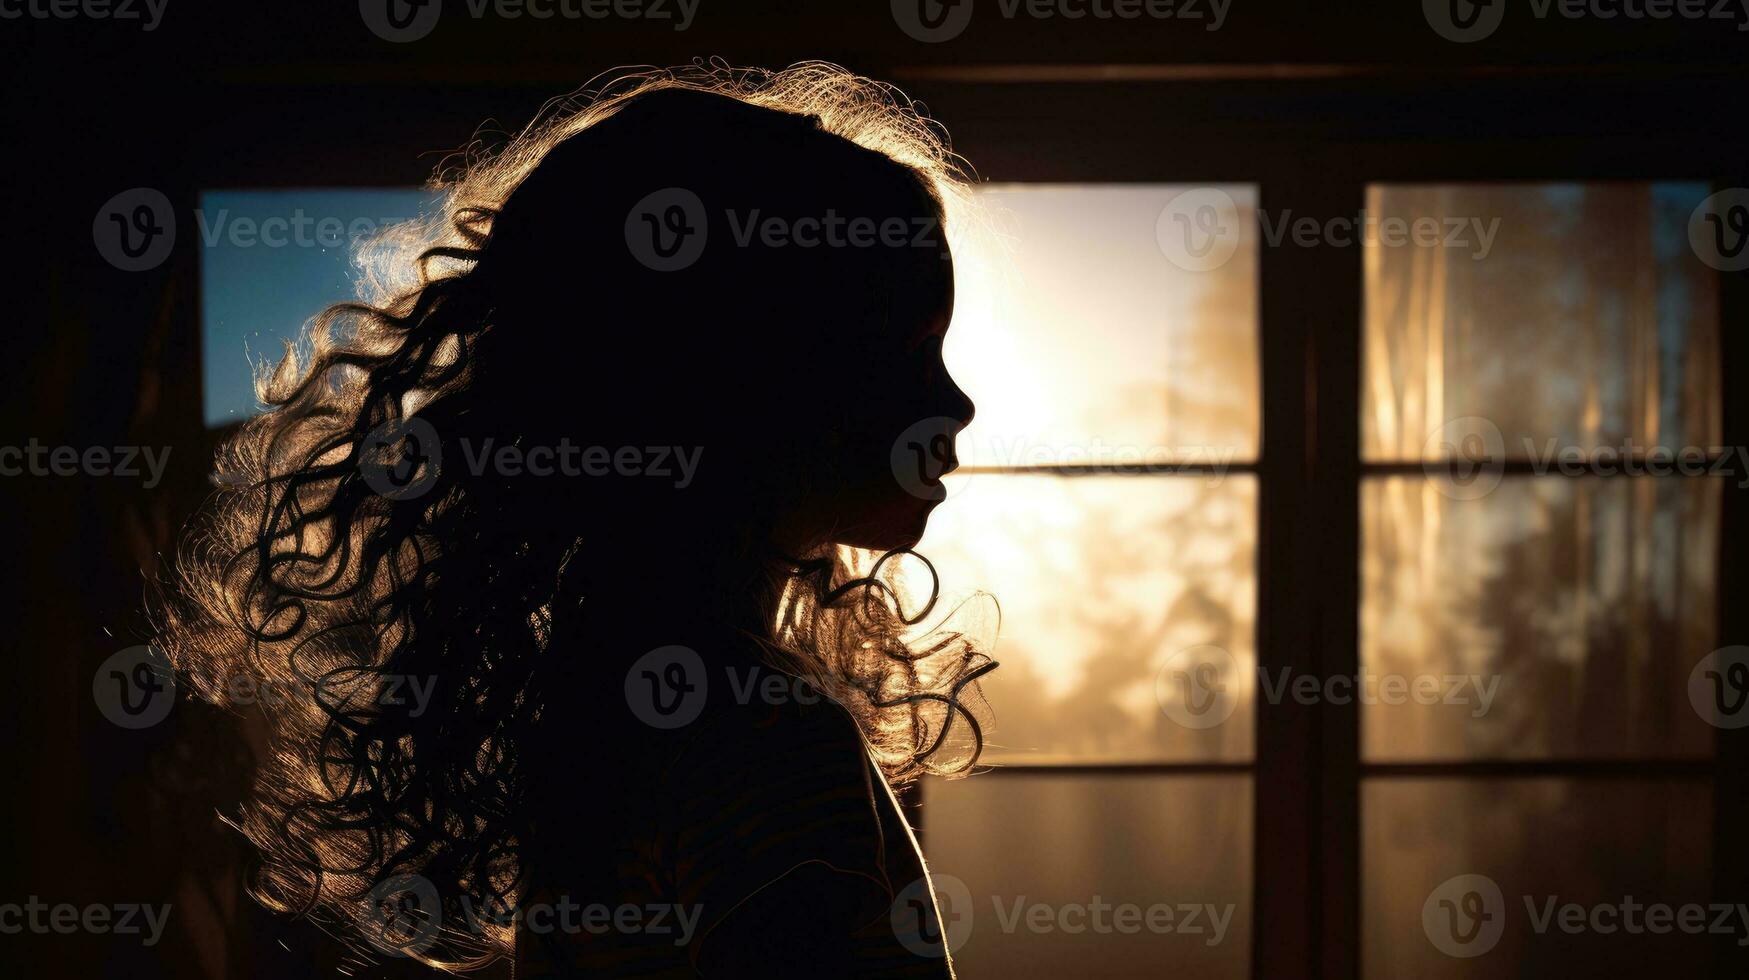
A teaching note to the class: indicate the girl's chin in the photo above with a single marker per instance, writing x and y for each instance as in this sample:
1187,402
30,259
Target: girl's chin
893,536
896,523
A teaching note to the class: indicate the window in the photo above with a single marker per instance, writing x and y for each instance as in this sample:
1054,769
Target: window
1561,617
1108,501
1112,499
1514,395
270,260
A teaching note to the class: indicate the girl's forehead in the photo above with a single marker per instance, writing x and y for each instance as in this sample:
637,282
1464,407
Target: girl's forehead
895,265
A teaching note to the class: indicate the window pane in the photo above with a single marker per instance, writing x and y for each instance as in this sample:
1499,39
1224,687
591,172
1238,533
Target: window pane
1101,580
1588,843
1020,843
1568,312
270,260
1079,339
1586,601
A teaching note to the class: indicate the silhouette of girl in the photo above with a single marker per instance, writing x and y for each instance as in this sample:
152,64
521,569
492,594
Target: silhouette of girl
561,533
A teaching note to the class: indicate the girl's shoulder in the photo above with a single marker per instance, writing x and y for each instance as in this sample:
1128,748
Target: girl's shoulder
764,735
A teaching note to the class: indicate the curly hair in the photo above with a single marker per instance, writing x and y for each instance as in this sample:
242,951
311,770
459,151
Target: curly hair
303,577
